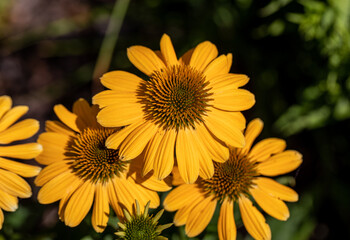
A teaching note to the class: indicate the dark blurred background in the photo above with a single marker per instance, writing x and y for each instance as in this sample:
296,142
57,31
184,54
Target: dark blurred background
296,53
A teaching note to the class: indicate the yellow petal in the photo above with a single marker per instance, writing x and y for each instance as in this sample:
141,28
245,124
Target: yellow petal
233,100
1,218
227,82
181,196
252,131
125,195
58,187
226,223
253,220
12,184
120,81
183,213
114,140
276,189
5,104
186,58
58,127
8,202
151,182
86,113
280,163
217,151
24,170
202,55
79,204
265,148
21,151
66,116
187,157
136,141
161,153
113,199
12,116
19,131
121,114
54,145
145,59
142,194
112,97
225,126
271,205
50,172
217,67
100,211
168,51
200,217
176,177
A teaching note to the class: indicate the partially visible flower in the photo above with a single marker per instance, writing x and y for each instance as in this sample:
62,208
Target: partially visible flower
82,173
188,108
12,185
234,182
141,226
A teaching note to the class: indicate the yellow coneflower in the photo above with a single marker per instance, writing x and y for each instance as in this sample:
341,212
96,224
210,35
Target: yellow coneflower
82,172
187,109
141,226
12,185
235,181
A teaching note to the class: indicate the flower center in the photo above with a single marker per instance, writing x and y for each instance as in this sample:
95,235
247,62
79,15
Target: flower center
91,159
175,97
231,178
140,228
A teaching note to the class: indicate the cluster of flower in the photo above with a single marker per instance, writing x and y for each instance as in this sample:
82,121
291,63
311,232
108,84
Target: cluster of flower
182,126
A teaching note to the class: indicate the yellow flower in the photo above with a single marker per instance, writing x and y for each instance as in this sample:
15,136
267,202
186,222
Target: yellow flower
188,108
82,172
234,181
141,226
11,184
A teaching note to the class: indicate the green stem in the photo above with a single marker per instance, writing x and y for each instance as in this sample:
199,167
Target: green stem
105,55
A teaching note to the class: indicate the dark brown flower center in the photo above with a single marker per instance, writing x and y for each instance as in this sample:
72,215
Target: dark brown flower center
231,178
90,159
175,97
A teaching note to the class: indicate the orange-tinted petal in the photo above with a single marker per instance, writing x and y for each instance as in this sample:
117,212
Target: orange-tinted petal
202,55
12,116
19,131
217,67
276,189
233,100
12,184
120,81
168,51
181,196
24,170
21,151
252,131
66,116
100,211
265,148
5,104
226,223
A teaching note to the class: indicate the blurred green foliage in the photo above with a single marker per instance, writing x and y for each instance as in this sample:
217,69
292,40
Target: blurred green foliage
296,54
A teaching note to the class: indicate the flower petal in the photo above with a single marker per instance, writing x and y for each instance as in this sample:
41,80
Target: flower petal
66,116
200,217
58,127
252,131
226,223
136,141
217,67
100,211
225,126
24,170
233,100
168,51
160,153
1,218
8,202
120,81
50,172
265,148
276,189
79,204
113,198
253,220
187,157
54,145
186,58
273,206
19,131
5,104
145,59
181,196
121,114
58,187
183,213
280,163
13,184
202,55
21,151
86,113
12,116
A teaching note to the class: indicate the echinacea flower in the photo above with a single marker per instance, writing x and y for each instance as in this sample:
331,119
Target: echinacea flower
141,225
12,185
82,172
187,108
235,181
